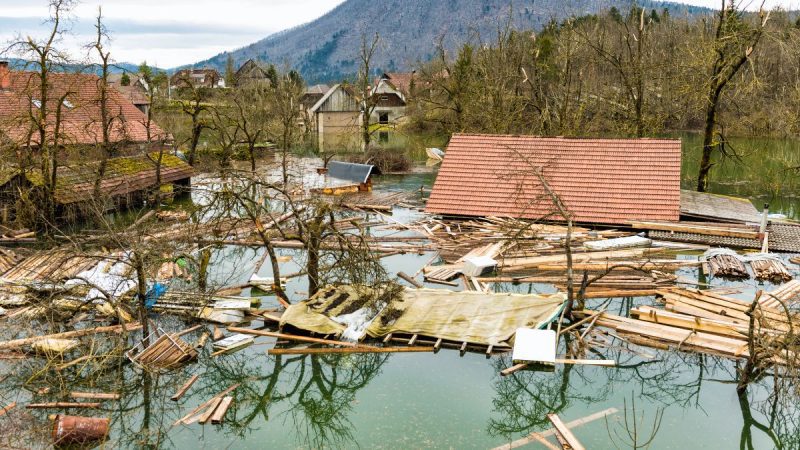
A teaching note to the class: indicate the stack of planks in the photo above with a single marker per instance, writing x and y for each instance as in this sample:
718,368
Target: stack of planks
788,295
169,351
698,321
771,270
726,266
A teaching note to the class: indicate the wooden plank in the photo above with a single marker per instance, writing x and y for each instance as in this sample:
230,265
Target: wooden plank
209,412
194,412
322,351
573,424
62,405
221,410
95,395
184,389
565,432
7,408
292,337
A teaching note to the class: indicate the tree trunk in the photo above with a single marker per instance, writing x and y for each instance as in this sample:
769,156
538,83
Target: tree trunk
708,148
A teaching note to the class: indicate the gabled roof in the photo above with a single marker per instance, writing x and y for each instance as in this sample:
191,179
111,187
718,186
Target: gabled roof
81,113
347,90
604,181
401,80
123,176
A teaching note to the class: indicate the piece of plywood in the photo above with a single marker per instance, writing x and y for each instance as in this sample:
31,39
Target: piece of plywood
531,345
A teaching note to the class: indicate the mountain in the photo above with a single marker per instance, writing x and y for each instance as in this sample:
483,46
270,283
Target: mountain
327,48
21,64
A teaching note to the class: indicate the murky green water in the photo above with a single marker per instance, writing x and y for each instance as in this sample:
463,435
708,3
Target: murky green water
425,400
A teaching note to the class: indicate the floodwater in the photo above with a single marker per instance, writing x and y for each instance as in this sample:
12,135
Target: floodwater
444,400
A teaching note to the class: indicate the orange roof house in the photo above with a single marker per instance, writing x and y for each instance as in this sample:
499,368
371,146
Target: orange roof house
80,110
600,181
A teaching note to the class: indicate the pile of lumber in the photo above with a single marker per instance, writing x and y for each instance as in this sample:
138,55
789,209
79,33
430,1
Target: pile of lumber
23,236
167,352
699,321
726,266
771,270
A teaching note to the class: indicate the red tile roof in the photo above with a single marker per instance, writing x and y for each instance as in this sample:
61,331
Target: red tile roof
608,181
81,118
402,81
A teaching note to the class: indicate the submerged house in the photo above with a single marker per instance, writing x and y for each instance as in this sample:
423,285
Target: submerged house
337,112
74,110
599,181
127,182
390,103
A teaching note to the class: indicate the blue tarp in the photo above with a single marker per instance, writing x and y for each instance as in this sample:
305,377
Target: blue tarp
156,291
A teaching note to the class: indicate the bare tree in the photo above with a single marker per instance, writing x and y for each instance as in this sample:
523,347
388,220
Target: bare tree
367,101
734,42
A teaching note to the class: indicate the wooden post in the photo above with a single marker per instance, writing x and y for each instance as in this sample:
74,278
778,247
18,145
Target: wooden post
764,220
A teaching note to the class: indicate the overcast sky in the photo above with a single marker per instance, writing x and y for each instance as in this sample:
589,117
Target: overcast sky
169,33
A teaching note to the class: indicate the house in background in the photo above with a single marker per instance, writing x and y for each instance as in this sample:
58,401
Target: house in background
310,98
402,81
80,113
336,114
600,181
390,103
251,73
135,91
197,78
80,137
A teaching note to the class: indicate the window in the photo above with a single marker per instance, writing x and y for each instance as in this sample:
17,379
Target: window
384,98
383,118
383,137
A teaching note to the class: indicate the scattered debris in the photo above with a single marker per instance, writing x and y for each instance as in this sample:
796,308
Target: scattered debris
167,352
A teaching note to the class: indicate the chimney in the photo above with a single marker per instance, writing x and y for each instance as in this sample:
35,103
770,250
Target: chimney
5,78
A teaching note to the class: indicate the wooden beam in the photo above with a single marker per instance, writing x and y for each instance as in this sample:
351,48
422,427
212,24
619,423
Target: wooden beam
184,389
62,405
322,351
292,337
573,424
219,414
95,395
565,432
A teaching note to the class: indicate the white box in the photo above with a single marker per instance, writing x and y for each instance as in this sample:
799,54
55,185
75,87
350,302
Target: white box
532,345
477,266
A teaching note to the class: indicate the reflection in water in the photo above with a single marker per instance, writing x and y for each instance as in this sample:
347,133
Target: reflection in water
313,393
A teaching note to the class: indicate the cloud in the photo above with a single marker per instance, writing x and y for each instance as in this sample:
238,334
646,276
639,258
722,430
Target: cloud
172,32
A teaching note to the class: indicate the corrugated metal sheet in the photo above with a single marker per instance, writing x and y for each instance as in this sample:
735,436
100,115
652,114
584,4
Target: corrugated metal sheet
358,173
609,181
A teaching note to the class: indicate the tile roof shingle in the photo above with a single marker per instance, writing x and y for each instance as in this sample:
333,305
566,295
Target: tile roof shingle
81,118
608,181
